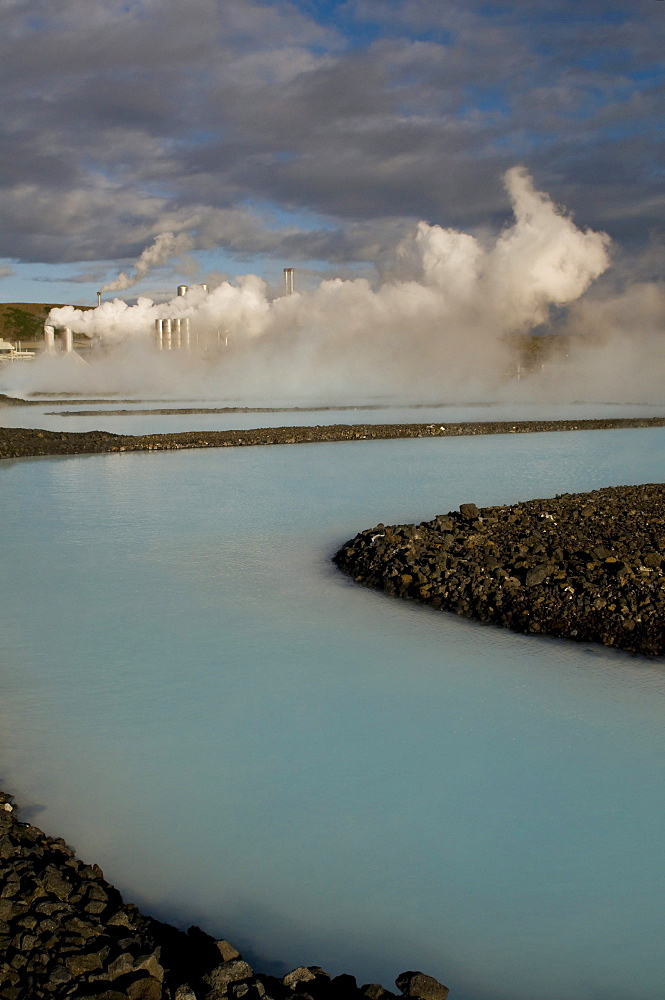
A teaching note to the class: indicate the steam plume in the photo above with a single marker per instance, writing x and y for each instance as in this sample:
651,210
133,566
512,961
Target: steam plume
447,326
165,247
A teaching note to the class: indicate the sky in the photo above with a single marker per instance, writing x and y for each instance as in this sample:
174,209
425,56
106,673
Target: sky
222,138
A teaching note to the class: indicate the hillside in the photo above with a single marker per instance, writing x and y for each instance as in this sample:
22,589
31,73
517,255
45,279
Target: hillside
24,321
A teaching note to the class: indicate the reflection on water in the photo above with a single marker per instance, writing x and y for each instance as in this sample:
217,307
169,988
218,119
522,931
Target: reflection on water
63,415
245,739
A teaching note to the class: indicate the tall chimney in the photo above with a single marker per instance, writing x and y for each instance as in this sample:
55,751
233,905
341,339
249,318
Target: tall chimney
99,298
288,280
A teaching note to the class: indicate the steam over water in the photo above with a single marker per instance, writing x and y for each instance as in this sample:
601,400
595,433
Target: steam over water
442,320
243,738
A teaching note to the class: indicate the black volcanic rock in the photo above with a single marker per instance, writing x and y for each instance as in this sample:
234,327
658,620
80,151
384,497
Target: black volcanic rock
417,984
23,442
66,934
584,566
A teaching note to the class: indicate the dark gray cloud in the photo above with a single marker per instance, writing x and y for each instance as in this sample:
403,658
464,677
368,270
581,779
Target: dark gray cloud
124,119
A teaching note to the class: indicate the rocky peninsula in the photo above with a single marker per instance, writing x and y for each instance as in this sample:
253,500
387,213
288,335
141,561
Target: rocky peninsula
585,566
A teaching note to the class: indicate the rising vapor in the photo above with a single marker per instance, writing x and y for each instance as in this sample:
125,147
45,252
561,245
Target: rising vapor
449,328
165,247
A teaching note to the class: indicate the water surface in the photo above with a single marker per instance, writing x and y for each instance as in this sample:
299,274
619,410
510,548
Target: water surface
243,738
108,415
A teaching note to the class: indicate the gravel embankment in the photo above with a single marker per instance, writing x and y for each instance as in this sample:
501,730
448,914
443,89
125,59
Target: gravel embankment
65,932
585,566
21,442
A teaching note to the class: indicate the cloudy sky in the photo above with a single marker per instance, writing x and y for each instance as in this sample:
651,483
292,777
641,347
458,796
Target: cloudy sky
314,133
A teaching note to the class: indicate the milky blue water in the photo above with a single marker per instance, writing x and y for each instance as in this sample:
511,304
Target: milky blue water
243,738
106,415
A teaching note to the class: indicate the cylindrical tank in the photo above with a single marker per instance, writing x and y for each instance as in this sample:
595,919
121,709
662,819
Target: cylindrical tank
158,334
182,289
49,339
187,341
68,340
176,333
167,334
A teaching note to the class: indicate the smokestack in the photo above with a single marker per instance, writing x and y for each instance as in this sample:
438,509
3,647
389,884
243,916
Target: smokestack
288,280
49,339
99,298
68,340
182,289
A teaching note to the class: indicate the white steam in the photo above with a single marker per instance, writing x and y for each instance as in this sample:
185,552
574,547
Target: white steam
542,260
448,329
165,247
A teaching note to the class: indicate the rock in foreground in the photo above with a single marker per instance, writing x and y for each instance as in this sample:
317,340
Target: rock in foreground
65,932
585,566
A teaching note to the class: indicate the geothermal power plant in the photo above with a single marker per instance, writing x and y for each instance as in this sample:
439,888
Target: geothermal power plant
171,333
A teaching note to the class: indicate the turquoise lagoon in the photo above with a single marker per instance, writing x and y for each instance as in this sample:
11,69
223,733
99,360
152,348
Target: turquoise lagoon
194,698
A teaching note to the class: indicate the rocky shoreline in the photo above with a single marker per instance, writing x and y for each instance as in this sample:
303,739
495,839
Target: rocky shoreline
22,442
585,566
65,932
